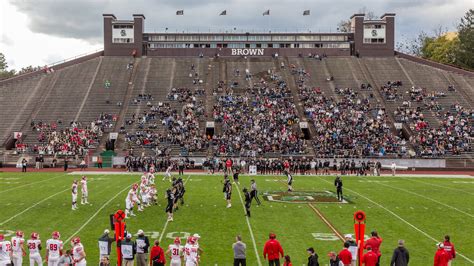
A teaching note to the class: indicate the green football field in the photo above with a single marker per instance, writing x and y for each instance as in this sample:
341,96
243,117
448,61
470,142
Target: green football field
417,209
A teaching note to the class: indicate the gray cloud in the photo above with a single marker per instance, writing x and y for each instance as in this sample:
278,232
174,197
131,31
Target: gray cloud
83,19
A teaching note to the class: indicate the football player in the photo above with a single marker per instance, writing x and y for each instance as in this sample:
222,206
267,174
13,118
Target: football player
54,249
168,173
191,253
289,181
18,248
34,245
175,251
74,195
152,195
151,178
85,192
228,192
5,251
169,207
131,200
78,254
144,193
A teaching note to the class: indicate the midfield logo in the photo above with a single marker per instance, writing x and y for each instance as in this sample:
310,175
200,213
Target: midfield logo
247,51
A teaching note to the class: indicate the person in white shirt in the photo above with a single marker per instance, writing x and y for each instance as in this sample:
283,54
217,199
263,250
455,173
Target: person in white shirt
34,245
54,249
5,251
78,253
18,248
394,168
74,195
175,251
168,173
84,190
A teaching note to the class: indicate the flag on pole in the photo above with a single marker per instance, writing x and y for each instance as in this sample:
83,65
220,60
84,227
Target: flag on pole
266,13
180,12
306,13
223,13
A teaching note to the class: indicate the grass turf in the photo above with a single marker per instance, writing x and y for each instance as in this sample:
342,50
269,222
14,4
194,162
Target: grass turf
419,210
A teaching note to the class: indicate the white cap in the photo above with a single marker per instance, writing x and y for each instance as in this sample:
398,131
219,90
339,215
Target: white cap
440,245
196,235
106,231
129,235
140,232
348,236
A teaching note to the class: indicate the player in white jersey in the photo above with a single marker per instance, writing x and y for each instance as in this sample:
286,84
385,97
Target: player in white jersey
5,251
78,253
144,178
18,248
54,249
175,251
74,195
191,250
144,193
151,178
130,201
168,173
84,190
152,198
34,245
289,181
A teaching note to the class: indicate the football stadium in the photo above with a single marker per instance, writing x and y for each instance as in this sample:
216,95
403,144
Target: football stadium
241,148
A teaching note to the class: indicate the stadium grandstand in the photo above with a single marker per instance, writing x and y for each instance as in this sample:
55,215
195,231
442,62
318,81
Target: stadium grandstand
273,95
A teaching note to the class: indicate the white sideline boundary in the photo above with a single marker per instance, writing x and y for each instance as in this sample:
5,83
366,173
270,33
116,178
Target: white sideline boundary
434,185
250,227
97,212
428,198
162,233
401,219
267,175
29,184
32,206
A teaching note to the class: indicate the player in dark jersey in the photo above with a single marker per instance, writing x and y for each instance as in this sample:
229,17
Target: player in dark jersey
169,207
248,201
338,185
289,181
228,192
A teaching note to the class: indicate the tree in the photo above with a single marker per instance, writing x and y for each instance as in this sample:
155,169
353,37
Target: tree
413,46
441,49
344,26
4,72
465,53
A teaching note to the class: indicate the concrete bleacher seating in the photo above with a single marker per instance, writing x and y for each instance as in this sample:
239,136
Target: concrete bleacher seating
78,93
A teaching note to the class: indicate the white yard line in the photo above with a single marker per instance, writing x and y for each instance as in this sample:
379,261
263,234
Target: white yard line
401,219
166,224
97,212
428,198
34,205
29,184
250,227
434,185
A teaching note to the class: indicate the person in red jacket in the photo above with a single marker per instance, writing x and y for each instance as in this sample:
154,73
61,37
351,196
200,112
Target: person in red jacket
345,255
273,251
374,242
449,248
441,257
228,166
370,258
157,255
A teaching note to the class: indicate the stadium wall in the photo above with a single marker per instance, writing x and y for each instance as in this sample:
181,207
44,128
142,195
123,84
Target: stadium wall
228,52
436,64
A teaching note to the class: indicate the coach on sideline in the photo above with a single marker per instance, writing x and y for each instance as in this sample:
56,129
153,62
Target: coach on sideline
142,248
273,251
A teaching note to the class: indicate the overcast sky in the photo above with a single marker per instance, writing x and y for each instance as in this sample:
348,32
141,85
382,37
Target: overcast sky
39,32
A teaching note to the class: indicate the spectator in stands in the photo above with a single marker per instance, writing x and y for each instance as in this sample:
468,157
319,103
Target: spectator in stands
239,248
273,251
400,256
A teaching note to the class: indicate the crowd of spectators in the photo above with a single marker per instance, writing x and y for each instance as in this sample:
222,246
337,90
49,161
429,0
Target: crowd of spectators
261,120
350,126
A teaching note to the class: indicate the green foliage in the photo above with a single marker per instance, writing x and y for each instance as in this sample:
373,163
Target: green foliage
441,49
465,52
4,72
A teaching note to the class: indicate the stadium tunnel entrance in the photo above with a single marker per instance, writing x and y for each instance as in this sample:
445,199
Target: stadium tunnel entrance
304,128
210,126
